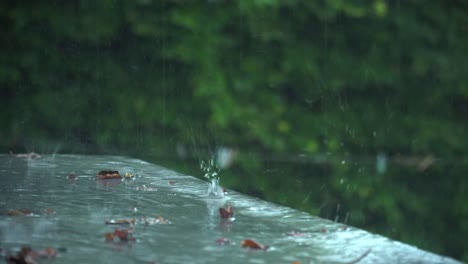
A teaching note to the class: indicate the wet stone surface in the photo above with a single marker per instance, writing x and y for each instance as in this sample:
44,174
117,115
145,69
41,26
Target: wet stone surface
155,215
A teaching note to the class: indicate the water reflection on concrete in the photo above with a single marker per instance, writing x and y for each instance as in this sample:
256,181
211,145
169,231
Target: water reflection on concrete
71,214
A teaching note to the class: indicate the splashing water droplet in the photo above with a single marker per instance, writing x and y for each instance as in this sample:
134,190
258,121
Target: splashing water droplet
211,171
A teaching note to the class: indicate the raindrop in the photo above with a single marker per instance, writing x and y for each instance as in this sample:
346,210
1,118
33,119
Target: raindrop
381,163
337,214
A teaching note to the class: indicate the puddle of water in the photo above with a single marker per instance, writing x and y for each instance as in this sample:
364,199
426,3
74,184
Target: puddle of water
71,214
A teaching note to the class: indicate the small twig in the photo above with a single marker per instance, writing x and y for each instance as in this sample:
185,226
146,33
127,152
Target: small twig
361,257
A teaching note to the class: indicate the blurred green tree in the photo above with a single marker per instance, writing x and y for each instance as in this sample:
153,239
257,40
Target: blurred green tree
330,81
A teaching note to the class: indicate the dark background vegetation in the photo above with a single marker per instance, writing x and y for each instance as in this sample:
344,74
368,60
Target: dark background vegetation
351,110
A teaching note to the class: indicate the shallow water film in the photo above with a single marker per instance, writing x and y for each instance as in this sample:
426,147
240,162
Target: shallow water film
155,215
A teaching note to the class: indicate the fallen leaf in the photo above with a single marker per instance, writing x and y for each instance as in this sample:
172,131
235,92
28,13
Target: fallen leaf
104,175
155,221
48,252
249,243
21,257
227,212
71,177
123,234
29,256
109,237
222,241
121,221
28,156
361,257
20,212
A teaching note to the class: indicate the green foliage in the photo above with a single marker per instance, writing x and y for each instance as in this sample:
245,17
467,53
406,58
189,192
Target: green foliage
325,81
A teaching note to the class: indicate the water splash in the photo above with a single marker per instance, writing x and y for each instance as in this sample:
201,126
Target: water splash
211,170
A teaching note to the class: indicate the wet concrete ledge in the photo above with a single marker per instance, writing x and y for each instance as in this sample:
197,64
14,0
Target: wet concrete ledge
81,205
